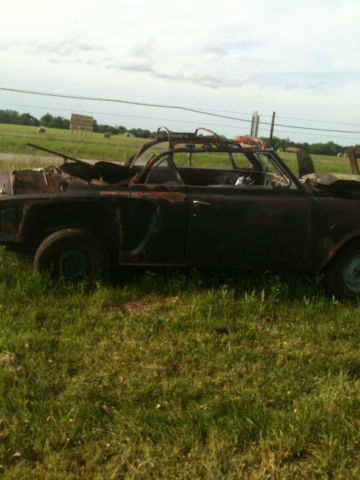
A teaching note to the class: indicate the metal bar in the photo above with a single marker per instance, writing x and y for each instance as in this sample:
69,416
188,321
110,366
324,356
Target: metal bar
207,130
57,153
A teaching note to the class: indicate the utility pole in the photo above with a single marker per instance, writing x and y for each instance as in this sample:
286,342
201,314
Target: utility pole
272,127
255,125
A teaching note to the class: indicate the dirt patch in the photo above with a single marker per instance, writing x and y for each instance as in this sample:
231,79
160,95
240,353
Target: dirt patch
145,305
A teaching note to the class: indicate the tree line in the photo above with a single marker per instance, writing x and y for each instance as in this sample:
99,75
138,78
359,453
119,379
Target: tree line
329,148
47,120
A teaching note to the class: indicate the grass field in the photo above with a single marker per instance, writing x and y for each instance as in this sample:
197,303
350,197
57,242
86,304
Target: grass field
14,139
163,374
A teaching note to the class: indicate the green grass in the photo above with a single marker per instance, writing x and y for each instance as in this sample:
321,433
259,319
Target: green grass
323,163
176,374
14,139
164,374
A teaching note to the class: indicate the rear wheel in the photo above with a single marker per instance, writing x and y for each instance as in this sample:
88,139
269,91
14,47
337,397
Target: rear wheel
73,254
343,274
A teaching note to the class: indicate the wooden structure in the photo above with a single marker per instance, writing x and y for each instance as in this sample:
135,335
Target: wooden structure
81,122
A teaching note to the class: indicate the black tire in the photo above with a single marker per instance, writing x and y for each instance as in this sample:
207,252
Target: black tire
74,254
342,276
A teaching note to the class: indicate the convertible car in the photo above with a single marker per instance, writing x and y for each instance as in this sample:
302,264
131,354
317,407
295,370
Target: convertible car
187,199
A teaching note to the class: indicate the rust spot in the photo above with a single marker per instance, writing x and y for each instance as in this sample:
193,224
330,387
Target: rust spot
22,222
173,197
115,192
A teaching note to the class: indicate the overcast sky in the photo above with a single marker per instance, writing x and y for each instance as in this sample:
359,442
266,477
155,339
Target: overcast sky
231,57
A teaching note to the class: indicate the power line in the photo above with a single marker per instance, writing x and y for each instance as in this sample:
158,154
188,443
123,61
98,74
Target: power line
282,132
175,107
142,117
162,119
127,102
319,121
315,129
119,115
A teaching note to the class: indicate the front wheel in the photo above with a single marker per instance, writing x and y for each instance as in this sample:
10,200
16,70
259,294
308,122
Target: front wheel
73,254
343,274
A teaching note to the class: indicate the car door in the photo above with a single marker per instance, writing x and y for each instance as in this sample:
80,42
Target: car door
158,212
252,227
260,218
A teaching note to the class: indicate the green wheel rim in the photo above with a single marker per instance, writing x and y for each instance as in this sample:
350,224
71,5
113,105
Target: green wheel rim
73,264
351,274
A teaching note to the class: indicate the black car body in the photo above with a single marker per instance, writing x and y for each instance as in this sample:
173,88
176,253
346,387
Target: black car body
187,199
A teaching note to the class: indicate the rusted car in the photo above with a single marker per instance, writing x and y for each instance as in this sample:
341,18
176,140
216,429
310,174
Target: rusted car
187,199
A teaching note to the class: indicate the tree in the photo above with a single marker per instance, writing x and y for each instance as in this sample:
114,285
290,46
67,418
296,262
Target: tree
140,133
27,119
46,119
59,122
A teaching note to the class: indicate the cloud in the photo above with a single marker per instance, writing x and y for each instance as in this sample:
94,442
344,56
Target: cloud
204,80
5,46
215,51
139,59
131,67
239,82
55,61
64,47
145,49
242,44
313,85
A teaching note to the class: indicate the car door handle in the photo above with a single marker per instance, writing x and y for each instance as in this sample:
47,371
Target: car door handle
197,203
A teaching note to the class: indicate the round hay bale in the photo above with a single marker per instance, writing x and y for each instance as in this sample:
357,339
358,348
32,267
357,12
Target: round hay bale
41,130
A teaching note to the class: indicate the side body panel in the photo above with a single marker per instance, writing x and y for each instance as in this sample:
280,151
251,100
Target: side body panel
198,226
144,225
164,242
252,227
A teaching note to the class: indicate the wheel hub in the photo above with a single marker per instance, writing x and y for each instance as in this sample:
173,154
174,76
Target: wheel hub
73,264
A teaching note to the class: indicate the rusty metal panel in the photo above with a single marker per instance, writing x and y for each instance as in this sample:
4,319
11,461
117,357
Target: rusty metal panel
305,162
